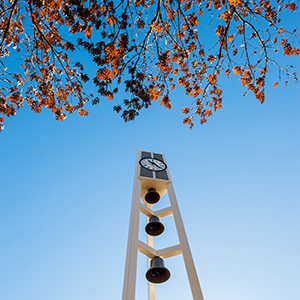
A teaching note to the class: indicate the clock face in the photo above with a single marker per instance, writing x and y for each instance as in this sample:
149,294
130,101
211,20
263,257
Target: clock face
153,164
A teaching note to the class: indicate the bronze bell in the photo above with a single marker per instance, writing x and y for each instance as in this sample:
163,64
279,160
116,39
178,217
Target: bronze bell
154,226
152,196
157,272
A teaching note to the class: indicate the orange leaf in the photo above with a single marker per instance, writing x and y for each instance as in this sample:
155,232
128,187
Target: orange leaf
185,110
110,97
229,38
157,28
234,2
208,112
111,20
219,105
212,79
88,31
275,84
83,112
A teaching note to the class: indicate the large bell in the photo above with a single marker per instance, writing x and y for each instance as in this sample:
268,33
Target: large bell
157,272
152,196
154,226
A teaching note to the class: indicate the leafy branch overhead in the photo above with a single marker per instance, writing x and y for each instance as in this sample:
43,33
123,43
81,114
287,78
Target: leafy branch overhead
149,46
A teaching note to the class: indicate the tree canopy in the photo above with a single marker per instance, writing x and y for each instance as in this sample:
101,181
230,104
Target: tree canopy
148,46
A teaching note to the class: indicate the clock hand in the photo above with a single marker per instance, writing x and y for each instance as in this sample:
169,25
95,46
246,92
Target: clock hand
157,165
153,163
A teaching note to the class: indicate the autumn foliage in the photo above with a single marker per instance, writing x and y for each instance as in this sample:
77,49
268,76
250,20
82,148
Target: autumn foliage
147,46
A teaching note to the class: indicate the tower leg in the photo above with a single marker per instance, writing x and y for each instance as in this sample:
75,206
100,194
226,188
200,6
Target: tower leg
186,252
132,245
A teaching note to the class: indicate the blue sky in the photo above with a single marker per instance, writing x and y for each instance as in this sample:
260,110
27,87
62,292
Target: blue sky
66,192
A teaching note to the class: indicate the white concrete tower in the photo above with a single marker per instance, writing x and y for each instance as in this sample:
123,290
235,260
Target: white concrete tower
151,172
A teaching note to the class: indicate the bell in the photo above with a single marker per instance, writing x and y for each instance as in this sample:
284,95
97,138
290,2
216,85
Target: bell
154,226
152,196
157,272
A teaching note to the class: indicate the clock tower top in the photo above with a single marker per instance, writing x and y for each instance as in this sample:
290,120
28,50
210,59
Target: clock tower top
152,171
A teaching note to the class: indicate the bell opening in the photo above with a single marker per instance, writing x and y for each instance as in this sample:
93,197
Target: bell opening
153,226
158,275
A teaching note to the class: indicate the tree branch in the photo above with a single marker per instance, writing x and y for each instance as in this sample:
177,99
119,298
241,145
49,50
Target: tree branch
8,24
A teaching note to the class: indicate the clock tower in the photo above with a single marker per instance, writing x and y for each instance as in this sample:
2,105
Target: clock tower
151,182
